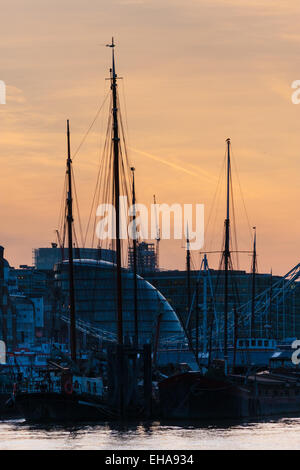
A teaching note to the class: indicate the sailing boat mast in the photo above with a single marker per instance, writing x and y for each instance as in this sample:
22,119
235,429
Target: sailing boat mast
70,250
116,169
253,286
271,300
157,234
204,325
227,256
268,325
197,322
188,277
136,326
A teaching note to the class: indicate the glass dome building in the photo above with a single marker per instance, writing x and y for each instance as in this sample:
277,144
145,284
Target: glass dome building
95,300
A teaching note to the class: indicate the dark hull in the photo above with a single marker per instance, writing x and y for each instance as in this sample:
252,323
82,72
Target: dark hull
8,410
59,407
192,396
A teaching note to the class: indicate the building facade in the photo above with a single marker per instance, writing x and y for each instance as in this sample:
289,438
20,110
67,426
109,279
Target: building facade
146,257
46,258
280,320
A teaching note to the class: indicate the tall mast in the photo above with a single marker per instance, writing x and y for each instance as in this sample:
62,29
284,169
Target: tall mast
70,250
205,271
235,336
116,143
188,277
157,234
253,285
227,256
269,322
197,322
136,325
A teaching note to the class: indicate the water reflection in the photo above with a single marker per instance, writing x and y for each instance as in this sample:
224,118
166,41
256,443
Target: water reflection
273,433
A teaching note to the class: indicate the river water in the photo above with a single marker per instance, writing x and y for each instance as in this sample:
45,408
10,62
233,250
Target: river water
281,433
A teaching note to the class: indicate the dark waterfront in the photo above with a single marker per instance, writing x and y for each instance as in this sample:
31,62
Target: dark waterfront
281,433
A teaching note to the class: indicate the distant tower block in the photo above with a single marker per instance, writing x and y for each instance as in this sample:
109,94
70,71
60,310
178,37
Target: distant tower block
146,257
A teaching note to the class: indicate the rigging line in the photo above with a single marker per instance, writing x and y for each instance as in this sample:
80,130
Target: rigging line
193,263
90,127
242,195
215,193
107,172
62,205
215,204
98,180
234,223
126,163
64,231
125,174
125,108
62,228
63,218
234,283
105,176
221,261
76,245
92,207
126,179
77,207
101,149
103,181
123,132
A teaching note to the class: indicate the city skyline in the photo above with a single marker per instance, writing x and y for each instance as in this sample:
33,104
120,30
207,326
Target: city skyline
194,73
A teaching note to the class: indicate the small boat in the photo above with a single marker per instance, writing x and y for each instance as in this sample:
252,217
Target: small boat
60,407
66,400
192,395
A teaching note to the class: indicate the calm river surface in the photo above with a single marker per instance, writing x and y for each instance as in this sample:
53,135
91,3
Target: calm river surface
281,433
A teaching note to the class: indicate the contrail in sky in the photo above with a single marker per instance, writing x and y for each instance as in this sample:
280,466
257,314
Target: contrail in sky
167,162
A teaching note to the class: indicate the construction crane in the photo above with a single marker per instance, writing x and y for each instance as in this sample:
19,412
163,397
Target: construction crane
157,233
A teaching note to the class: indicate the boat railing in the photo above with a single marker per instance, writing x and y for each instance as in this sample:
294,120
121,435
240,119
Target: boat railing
53,386
5,388
36,386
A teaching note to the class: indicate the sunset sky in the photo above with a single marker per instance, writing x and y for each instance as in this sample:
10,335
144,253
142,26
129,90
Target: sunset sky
195,72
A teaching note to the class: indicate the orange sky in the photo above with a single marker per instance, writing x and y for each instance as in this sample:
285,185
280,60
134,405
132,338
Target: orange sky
195,72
